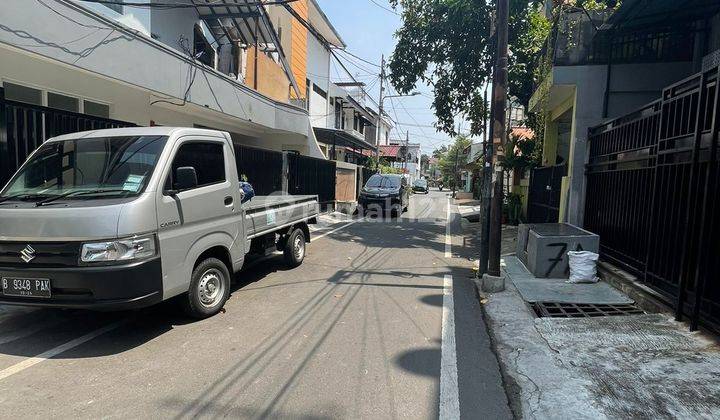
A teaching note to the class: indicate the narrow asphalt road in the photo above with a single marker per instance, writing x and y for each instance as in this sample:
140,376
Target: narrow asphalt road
379,322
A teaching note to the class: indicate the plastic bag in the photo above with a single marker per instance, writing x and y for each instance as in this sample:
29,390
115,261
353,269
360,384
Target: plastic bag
583,267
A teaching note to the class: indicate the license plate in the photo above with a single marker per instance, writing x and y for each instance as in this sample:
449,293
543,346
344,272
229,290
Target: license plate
36,288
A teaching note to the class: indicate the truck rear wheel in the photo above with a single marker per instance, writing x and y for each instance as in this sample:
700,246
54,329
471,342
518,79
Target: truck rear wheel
209,289
295,248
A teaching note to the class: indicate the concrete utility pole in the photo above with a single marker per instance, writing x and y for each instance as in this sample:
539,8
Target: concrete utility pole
500,80
380,113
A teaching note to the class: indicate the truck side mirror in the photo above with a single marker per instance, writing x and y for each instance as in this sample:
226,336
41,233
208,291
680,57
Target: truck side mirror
185,178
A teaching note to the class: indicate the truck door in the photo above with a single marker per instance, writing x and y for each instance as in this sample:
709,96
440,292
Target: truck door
194,219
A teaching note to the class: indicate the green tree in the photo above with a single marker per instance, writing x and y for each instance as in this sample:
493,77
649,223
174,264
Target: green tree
447,44
454,159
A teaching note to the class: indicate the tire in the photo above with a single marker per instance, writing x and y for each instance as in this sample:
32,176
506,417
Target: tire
209,289
294,250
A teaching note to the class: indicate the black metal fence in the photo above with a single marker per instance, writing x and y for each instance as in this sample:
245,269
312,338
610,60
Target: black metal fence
544,194
262,168
24,127
307,175
652,191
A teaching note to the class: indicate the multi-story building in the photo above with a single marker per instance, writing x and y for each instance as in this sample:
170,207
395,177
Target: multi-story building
237,66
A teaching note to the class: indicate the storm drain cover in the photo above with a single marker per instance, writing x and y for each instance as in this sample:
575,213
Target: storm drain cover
583,310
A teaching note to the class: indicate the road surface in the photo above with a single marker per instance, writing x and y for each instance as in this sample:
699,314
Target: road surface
379,322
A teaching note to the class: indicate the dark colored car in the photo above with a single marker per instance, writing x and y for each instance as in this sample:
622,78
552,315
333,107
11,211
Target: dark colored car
421,186
386,191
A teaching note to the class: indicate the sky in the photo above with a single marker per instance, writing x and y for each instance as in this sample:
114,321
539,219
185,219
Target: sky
368,30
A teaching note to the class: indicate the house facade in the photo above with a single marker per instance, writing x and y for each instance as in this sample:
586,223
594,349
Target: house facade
602,64
234,66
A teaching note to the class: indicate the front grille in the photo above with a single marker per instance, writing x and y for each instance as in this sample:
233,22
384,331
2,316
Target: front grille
46,254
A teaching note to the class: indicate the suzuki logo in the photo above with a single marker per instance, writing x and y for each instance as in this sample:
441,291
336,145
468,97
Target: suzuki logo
27,254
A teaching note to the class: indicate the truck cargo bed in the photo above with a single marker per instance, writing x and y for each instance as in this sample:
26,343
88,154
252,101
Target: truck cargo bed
265,214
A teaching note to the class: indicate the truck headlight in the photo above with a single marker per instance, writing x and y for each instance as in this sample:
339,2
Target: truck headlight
135,248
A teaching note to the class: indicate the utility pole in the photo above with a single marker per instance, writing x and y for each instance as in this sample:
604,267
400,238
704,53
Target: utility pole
485,191
407,148
500,80
380,113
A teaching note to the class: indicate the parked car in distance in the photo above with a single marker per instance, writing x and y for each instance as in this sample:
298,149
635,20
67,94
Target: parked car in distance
388,192
421,186
126,218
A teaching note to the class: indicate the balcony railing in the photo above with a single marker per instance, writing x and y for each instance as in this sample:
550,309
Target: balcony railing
577,41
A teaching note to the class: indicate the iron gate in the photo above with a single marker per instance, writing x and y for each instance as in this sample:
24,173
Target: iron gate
261,167
24,127
651,195
544,194
308,175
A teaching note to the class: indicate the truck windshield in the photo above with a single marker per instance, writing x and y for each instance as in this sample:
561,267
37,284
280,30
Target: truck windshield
88,168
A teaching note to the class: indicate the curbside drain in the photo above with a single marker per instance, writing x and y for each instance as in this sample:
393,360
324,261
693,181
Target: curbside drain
583,310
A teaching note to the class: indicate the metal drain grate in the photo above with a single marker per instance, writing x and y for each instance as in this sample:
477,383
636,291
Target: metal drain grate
583,310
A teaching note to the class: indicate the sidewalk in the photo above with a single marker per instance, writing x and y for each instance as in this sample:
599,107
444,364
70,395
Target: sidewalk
628,366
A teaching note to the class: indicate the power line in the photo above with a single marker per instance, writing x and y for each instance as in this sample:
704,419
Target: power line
359,58
384,8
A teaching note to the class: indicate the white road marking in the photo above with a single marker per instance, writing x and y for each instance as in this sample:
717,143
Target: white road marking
337,229
448,235
19,367
449,393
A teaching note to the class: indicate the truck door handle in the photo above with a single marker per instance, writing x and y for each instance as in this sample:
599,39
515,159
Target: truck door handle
228,201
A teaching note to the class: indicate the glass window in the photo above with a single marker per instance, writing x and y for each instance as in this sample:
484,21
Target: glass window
24,94
89,168
66,103
207,159
383,181
96,109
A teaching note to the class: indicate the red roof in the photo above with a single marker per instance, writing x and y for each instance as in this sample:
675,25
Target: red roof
385,151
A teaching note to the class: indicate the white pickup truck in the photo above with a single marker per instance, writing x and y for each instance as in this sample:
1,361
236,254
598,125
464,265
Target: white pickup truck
126,218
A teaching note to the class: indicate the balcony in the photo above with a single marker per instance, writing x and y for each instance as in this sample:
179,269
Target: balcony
68,45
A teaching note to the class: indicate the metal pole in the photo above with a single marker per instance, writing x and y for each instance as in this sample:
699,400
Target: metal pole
485,192
499,102
380,114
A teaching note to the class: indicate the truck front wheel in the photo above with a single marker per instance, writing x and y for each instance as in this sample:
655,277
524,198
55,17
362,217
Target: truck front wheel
294,251
209,289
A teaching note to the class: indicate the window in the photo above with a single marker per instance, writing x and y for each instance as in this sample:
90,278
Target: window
24,94
319,91
361,124
66,103
339,120
96,109
207,159
355,122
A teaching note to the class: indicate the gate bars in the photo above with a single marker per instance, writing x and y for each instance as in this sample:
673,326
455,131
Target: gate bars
651,195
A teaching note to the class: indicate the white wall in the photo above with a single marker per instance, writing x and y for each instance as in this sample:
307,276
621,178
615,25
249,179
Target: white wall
318,72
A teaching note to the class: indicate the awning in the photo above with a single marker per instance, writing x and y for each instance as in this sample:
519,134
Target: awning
637,14
337,137
243,21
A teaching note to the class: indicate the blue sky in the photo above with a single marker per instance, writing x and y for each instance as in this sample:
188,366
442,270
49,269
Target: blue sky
368,30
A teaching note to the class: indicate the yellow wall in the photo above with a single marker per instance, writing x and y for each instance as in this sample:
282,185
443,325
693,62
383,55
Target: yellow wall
298,56
272,80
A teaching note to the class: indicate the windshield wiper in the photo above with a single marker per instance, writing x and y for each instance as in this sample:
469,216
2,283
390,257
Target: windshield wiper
76,193
19,197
